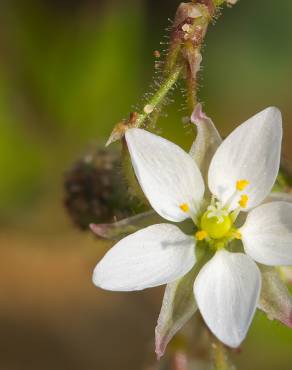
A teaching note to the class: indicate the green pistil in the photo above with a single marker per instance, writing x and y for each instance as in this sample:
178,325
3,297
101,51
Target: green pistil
217,232
216,228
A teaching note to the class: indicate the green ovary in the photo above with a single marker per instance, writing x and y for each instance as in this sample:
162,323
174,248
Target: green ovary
215,228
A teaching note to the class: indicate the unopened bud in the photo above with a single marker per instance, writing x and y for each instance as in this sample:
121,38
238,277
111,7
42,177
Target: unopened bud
185,11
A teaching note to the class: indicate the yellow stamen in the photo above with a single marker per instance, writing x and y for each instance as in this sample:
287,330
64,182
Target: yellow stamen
185,207
201,235
243,201
242,184
237,235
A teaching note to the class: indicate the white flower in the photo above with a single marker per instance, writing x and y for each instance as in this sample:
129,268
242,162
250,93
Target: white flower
240,177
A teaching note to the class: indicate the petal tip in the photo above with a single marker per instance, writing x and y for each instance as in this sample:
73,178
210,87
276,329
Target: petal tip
100,280
99,229
286,317
288,320
160,344
273,109
96,277
274,113
92,227
235,343
198,114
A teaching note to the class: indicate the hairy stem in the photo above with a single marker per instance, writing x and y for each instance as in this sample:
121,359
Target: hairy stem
151,108
182,61
159,96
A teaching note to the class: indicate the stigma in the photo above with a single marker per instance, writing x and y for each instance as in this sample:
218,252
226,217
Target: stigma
216,228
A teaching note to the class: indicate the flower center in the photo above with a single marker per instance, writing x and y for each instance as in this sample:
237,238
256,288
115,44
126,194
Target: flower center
216,227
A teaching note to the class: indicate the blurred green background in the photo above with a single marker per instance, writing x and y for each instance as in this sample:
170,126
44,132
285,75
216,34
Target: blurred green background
69,70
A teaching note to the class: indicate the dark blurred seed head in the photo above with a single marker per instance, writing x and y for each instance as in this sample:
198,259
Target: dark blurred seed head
95,191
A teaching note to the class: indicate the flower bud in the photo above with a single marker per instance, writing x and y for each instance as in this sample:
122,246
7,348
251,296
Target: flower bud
186,11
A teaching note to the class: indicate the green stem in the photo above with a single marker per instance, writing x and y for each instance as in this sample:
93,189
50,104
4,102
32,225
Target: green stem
220,358
191,87
159,96
172,57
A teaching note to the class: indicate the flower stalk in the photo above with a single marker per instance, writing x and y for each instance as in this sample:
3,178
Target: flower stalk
220,356
182,62
159,96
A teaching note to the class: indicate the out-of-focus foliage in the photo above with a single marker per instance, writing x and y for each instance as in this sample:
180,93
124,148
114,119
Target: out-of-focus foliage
66,79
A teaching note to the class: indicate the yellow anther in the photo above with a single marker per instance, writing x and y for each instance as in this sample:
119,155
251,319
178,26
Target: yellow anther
243,201
242,184
201,235
185,207
237,235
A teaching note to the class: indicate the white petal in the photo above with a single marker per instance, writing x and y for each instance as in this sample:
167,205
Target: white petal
251,152
267,234
168,175
156,255
227,292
